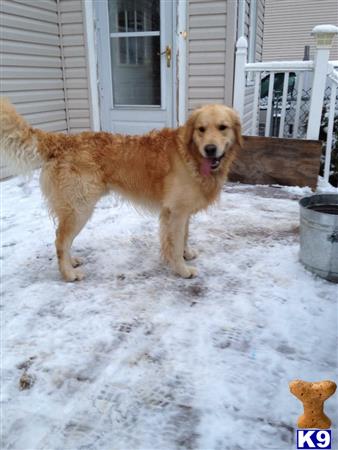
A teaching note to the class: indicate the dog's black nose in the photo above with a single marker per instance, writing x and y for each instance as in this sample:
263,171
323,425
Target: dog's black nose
210,150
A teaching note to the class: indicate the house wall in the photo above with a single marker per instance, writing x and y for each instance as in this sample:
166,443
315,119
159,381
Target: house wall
72,39
288,25
206,52
31,66
43,63
249,90
211,46
44,72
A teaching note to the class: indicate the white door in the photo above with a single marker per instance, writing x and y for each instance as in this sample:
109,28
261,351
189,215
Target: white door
135,58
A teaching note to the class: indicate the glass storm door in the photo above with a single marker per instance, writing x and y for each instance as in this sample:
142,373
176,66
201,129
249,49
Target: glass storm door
135,64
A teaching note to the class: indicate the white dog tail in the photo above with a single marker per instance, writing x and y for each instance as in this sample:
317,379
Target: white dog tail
18,141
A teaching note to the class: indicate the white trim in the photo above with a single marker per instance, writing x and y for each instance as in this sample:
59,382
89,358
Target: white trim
92,64
329,140
300,82
179,63
269,110
163,44
255,104
103,53
283,111
180,100
279,66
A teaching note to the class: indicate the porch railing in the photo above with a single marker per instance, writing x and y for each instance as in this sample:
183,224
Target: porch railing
318,78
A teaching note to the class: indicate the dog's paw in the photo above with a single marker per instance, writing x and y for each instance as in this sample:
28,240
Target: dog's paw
76,262
190,253
187,271
73,275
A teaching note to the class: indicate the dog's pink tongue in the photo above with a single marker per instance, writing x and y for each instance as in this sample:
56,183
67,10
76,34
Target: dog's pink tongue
206,167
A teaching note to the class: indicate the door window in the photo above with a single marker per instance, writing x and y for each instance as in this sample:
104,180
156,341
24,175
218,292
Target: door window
134,27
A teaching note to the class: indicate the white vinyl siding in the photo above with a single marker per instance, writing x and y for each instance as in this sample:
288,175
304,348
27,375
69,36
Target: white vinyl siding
288,25
75,65
43,63
211,47
50,91
260,30
206,52
31,70
249,90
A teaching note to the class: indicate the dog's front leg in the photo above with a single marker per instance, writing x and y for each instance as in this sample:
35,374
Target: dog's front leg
188,253
173,228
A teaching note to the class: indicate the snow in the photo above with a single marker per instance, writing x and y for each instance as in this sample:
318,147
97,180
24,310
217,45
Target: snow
135,358
327,28
324,187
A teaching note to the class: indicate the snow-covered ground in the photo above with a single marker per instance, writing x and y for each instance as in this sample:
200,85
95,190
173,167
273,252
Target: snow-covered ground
135,358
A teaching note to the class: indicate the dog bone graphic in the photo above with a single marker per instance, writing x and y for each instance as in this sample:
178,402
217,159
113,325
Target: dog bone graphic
313,396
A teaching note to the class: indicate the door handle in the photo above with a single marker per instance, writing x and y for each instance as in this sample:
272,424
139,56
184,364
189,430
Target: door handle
167,53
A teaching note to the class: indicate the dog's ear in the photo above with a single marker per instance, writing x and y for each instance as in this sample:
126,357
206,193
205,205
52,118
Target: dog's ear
237,128
190,126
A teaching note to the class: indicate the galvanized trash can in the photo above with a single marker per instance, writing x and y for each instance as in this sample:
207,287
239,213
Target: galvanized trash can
319,235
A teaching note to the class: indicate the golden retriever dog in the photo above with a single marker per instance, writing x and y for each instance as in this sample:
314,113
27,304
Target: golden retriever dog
175,171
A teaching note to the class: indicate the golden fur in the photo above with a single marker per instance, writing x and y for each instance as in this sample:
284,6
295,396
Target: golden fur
167,170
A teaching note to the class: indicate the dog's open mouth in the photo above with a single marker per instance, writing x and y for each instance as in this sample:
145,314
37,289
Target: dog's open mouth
210,165
214,163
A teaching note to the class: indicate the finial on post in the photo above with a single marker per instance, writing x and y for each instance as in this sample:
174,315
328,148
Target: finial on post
324,35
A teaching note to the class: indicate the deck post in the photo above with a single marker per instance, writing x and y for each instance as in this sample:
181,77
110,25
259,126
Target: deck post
239,88
324,35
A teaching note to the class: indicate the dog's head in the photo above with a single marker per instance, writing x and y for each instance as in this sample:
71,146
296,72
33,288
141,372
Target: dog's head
213,131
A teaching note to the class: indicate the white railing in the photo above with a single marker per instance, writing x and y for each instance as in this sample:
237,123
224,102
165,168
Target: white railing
248,77
333,77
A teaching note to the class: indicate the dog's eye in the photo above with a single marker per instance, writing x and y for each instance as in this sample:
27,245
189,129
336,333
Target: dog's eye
222,127
201,129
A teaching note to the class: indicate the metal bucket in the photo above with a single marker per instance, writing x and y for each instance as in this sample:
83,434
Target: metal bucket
319,235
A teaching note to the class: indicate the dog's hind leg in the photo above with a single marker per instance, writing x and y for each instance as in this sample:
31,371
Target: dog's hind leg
188,253
172,226
71,223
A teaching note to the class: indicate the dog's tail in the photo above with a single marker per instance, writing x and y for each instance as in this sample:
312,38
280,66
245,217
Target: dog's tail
19,142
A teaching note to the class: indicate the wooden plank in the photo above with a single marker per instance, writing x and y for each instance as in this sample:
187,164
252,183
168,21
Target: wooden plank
268,160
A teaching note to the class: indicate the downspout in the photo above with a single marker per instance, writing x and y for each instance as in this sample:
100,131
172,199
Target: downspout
63,64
